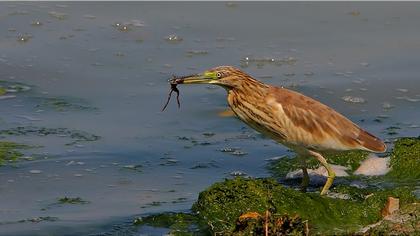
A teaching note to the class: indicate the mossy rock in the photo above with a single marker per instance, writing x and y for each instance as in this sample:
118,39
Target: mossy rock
222,204
404,222
405,159
9,151
349,159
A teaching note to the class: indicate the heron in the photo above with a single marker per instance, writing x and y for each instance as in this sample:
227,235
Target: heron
302,124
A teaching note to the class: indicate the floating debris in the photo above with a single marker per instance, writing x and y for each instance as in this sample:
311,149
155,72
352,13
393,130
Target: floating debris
208,134
260,62
192,53
29,118
387,106
309,73
238,173
90,17
136,23
124,28
223,39
133,167
63,104
119,54
16,88
239,153
7,97
35,171
365,64
392,130
169,162
173,38
205,165
24,38
39,219
353,99
36,23
405,98
229,149
75,135
355,13
289,74
18,12
72,200
58,15
276,158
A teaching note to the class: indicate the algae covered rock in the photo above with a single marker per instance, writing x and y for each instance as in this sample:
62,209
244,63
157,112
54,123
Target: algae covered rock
405,159
222,204
271,224
350,159
404,222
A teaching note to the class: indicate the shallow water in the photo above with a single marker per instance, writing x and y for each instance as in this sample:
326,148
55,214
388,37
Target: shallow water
112,62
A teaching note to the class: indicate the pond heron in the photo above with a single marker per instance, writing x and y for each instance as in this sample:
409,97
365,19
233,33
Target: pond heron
301,123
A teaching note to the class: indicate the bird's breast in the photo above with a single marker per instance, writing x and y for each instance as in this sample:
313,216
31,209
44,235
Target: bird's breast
251,108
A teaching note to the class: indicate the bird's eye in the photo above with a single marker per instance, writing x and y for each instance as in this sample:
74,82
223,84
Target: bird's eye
219,75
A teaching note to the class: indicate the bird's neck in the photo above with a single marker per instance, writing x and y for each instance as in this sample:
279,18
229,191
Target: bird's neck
250,91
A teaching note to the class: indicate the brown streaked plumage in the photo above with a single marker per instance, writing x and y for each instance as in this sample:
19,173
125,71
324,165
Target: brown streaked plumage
292,119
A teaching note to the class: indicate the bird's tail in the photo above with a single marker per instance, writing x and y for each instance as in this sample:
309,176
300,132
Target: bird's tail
370,142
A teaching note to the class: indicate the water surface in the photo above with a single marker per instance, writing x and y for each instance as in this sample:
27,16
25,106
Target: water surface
112,62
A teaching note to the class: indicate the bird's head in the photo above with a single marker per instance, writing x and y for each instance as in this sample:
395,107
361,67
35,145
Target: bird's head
228,77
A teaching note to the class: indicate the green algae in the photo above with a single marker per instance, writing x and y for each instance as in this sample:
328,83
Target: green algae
271,224
2,91
222,204
63,104
71,200
76,135
13,87
180,224
350,159
10,151
405,159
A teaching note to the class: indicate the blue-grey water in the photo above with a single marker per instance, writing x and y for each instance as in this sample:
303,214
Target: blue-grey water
113,60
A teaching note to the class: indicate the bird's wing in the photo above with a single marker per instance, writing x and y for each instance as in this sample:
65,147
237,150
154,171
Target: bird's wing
313,124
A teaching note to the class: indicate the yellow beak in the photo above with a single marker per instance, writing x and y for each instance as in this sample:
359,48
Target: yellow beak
193,79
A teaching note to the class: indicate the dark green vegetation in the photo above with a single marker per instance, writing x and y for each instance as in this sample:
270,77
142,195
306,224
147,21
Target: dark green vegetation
71,200
2,91
223,203
12,87
218,209
178,223
350,159
76,135
62,104
405,159
9,151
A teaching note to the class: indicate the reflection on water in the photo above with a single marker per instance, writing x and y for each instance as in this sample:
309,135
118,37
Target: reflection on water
102,69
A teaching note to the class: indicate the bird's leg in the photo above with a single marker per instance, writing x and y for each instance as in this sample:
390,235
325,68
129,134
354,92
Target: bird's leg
331,173
305,176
